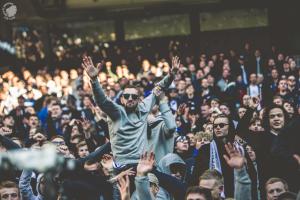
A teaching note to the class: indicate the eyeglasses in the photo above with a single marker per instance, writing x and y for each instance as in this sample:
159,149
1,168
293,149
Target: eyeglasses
133,96
221,125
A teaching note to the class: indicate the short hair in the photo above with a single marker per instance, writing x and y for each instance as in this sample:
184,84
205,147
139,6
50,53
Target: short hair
205,104
8,184
266,123
32,115
7,116
130,86
57,136
253,120
56,104
275,180
277,97
198,190
212,174
80,144
215,99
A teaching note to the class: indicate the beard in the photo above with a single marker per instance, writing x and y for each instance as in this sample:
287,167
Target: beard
130,106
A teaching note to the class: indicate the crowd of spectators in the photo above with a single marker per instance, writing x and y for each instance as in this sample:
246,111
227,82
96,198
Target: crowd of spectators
144,125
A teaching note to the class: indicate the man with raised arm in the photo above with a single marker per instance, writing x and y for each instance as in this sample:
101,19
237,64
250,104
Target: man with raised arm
127,122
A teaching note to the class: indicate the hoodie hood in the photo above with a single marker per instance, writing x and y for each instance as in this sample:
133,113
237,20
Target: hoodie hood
166,161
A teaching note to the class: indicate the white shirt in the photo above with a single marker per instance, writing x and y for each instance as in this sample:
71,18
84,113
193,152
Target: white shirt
254,91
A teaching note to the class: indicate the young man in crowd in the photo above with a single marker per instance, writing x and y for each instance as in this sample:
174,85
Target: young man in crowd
9,191
128,123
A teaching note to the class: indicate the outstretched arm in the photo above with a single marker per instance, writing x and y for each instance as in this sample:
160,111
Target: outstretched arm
108,106
24,185
149,101
169,125
235,160
142,183
167,80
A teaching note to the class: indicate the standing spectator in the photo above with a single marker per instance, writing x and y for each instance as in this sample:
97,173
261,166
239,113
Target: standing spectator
121,116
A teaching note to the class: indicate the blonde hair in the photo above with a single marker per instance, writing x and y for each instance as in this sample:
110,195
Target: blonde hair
203,135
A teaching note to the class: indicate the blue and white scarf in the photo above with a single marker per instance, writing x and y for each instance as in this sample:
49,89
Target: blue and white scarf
214,160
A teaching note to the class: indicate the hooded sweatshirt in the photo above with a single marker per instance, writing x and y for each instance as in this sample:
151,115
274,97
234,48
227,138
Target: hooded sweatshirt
128,131
161,139
166,193
26,189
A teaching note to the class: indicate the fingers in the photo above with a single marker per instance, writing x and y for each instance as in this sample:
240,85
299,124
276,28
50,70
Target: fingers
229,149
297,157
83,66
175,62
152,156
90,61
99,66
226,158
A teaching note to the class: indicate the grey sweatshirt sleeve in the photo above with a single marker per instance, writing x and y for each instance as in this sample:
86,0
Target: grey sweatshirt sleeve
25,187
169,125
142,186
108,106
242,189
165,82
147,104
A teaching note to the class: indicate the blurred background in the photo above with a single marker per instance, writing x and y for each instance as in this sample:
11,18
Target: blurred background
56,33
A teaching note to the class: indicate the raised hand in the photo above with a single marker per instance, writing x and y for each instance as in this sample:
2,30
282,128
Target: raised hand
146,164
297,158
181,109
128,172
4,131
254,102
235,159
89,67
39,137
124,187
175,65
160,94
200,143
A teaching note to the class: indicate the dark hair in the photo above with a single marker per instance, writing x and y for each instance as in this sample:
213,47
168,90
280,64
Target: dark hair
130,86
56,104
231,129
198,190
7,116
32,115
266,121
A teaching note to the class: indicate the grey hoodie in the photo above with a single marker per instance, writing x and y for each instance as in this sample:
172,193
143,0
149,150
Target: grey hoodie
164,167
25,187
167,160
161,140
128,131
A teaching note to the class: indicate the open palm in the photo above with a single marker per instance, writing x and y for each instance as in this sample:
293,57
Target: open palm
175,65
235,159
124,187
145,164
297,158
89,67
